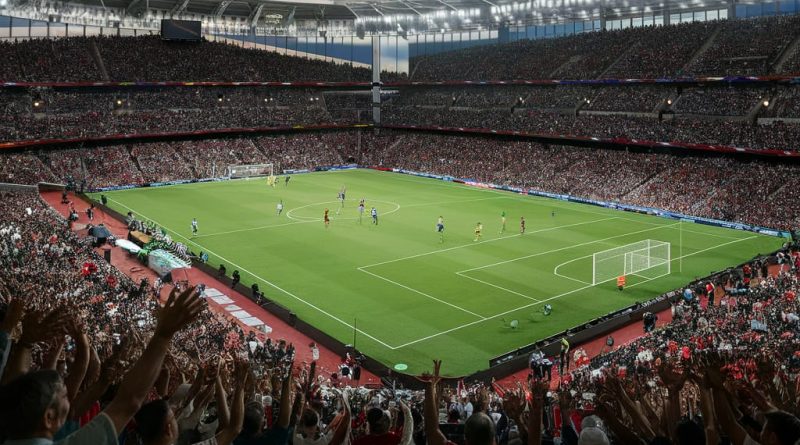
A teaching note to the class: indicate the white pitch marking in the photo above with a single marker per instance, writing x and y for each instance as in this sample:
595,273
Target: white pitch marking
422,293
563,248
544,199
432,252
498,287
556,297
273,285
684,229
253,228
315,219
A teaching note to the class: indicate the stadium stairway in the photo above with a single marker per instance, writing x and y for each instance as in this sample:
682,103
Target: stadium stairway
98,59
758,108
414,70
790,50
643,184
700,51
564,67
130,266
134,159
610,68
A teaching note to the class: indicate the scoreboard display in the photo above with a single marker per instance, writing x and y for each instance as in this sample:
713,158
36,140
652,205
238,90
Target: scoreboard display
180,30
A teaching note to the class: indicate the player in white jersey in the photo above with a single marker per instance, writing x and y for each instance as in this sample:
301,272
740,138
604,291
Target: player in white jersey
279,208
194,226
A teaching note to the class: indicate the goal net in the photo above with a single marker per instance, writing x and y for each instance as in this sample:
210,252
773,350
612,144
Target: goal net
648,258
249,170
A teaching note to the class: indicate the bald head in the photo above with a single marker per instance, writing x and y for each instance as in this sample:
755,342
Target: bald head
479,430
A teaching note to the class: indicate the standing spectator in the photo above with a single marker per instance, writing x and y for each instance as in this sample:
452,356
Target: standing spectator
34,406
563,362
235,279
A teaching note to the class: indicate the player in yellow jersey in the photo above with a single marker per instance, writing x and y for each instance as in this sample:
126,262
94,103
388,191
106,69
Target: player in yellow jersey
478,231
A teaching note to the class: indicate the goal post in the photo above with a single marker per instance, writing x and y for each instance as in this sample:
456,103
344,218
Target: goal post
647,258
249,170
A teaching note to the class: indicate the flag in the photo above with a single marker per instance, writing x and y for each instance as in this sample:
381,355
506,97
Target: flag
498,389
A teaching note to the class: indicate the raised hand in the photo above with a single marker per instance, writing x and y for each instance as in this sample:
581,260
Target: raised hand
241,373
672,380
514,404
432,378
179,310
38,326
14,314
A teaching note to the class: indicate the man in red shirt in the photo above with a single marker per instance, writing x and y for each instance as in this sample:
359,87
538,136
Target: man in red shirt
379,433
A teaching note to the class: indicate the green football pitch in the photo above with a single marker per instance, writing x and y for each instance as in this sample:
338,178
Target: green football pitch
399,292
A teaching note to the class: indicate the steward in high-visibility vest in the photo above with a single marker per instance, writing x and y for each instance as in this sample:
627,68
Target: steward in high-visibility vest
621,282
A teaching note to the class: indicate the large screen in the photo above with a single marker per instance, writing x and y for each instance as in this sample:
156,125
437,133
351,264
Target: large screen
180,30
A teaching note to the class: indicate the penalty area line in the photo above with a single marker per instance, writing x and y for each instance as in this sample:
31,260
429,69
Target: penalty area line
563,248
558,296
433,252
422,293
498,287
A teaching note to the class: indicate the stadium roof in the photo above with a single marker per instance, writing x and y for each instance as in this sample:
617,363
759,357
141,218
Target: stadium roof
460,14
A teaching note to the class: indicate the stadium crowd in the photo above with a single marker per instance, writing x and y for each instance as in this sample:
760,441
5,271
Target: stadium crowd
746,47
90,356
701,186
43,113
149,58
774,135
788,104
86,337
88,352
349,106
137,164
719,101
739,47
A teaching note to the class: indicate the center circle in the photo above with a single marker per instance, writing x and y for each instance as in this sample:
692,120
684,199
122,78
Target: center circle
314,212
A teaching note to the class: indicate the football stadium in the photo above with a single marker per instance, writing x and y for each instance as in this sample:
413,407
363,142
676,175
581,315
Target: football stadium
397,222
